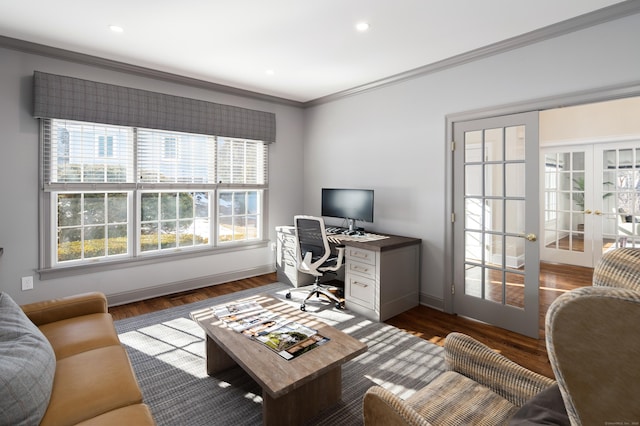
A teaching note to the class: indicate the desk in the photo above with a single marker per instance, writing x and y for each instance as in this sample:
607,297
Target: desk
381,276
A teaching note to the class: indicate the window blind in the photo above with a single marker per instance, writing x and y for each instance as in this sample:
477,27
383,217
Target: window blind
62,97
172,157
81,154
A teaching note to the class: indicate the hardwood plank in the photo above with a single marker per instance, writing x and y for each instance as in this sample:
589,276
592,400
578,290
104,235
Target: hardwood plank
426,323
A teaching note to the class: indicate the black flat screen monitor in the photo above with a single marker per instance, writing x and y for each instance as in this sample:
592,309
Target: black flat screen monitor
352,204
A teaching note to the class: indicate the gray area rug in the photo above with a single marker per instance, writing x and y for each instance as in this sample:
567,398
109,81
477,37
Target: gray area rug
167,351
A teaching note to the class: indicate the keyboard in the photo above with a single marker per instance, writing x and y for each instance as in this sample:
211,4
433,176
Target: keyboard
334,230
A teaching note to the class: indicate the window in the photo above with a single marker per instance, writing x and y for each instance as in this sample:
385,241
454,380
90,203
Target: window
117,192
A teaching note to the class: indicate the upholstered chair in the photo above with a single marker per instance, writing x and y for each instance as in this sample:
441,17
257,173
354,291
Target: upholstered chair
618,268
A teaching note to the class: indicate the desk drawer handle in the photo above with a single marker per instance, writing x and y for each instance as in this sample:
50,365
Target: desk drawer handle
359,268
360,284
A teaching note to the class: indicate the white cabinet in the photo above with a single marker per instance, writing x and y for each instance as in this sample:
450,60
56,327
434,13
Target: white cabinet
382,283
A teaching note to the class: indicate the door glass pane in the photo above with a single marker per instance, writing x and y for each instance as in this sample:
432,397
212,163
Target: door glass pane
473,180
473,213
473,146
493,144
515,289
473,247
494,180
473,279
514,253
494,216
620,198
515,217
514,143
493,286
514,180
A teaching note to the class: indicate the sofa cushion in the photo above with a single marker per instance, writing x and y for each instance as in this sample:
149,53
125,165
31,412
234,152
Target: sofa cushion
79,334
137,414
439,402
91,383
546,408
27,367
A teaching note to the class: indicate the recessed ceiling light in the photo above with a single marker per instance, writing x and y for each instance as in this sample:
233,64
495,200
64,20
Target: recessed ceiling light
116,28
362,26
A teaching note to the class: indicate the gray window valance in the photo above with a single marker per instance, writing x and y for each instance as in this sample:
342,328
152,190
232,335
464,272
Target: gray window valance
57,96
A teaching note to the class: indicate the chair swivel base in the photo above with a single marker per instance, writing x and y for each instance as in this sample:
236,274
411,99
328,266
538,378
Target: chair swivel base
319,290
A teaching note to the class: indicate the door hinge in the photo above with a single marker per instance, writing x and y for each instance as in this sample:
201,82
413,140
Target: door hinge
453,289
453,145
453,217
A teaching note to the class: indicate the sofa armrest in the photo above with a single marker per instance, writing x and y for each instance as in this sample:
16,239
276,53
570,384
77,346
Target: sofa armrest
477,361
66,307
383,408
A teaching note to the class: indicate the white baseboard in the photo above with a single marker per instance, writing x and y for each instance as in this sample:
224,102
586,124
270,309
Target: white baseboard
186,285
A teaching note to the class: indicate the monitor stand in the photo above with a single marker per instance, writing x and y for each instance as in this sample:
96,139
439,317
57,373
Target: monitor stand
352,225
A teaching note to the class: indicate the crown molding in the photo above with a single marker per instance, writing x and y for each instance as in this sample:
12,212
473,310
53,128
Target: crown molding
601,16
81,58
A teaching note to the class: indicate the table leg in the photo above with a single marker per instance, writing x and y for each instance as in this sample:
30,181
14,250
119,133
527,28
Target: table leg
217,358
303,402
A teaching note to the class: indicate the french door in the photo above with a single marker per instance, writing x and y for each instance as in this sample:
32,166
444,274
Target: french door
496,220
591,201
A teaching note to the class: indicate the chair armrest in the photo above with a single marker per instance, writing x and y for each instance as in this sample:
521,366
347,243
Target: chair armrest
477,361
66,307
382,408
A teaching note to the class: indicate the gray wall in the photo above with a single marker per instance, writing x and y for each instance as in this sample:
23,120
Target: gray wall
19,190
393,139
390,139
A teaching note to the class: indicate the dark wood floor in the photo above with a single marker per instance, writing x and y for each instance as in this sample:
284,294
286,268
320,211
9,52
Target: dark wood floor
426,323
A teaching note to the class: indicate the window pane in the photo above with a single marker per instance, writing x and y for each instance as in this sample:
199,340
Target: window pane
241,161
87,235
87,152
239,215
172,157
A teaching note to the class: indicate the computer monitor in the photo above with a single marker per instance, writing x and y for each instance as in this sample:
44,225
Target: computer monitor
350,204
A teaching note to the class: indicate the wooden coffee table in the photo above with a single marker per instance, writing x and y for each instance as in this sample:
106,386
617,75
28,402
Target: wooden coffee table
294,390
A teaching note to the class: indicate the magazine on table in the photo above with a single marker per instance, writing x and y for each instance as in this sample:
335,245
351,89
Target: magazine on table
291,340
287,338
232,309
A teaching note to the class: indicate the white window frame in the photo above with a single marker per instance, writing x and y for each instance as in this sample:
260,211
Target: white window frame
52,267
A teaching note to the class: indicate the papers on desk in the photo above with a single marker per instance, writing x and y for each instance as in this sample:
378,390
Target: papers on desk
338,238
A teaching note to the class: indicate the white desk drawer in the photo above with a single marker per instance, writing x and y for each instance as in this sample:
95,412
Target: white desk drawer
360,255
361,268
361,290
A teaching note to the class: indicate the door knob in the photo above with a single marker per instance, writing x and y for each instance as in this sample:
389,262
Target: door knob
598,213
531,237
587,211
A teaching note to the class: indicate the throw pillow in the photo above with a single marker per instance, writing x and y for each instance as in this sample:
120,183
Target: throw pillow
546,408
27,367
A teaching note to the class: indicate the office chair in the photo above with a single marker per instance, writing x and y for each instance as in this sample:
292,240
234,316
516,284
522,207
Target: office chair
314,257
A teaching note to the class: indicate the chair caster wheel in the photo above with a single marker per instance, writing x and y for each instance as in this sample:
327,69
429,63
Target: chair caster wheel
340,305
287,296
303,308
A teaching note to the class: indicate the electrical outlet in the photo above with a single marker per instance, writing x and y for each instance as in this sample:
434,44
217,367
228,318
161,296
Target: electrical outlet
27,283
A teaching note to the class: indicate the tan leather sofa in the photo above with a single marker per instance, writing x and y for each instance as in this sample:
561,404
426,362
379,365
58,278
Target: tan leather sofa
94,383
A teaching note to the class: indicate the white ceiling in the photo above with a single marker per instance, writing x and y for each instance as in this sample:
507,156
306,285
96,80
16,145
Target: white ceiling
311,46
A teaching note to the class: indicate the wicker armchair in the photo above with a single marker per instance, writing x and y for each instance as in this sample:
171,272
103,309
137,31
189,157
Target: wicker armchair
481,387
593,341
